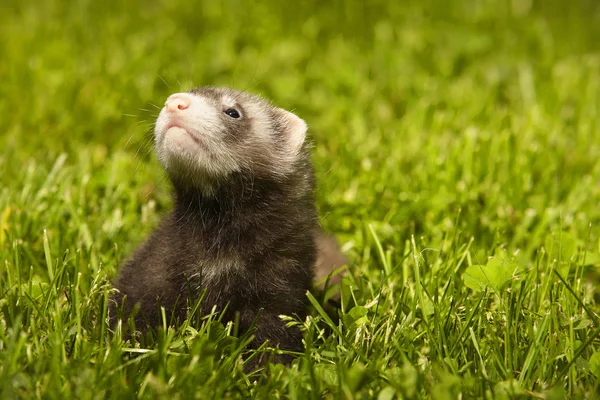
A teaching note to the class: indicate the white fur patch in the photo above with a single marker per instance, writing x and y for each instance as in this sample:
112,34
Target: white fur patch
261,126
188,141
296,130
228,101
225,265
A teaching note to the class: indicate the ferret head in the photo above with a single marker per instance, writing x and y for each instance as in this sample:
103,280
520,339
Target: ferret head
206,134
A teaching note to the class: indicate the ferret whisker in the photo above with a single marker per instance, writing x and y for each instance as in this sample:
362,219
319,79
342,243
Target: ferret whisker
252,77
129,140
137,167
137,152
165,82
145,144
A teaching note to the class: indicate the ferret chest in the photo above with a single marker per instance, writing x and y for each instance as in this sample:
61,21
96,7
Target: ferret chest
218,268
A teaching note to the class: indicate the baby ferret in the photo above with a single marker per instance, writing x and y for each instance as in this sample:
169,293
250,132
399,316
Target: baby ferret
243,229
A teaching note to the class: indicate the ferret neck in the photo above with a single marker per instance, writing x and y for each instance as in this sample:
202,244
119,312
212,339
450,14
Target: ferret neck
238,194
242,209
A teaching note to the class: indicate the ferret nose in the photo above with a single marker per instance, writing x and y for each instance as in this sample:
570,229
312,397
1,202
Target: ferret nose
178,102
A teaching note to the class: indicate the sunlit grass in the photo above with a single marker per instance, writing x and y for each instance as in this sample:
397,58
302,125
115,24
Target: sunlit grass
456,150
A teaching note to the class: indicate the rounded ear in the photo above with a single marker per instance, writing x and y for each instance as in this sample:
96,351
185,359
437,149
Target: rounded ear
295,129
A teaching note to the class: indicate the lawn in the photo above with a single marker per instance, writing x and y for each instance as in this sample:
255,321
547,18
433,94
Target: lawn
457,153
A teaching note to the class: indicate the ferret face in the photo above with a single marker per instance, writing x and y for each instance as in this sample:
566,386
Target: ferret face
208,133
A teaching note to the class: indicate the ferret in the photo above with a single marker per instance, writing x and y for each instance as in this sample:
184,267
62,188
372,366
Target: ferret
243,231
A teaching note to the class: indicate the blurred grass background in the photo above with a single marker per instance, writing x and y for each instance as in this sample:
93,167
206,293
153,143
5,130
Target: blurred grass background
472,125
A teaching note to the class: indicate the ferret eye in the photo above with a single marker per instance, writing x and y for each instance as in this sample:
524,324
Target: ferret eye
232,112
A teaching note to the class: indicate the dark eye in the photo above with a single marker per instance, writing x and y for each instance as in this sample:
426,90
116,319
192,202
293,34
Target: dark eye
232,112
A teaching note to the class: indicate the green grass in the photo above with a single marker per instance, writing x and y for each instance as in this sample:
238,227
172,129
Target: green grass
457,150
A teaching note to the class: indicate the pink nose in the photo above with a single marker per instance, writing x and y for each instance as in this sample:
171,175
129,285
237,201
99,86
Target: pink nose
178,102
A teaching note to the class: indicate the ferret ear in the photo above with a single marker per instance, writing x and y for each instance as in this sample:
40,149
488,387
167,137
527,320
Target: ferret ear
295,128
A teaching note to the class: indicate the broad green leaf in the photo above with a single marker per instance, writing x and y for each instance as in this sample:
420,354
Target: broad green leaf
595,364
387,393
561,246
495,274
592,258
